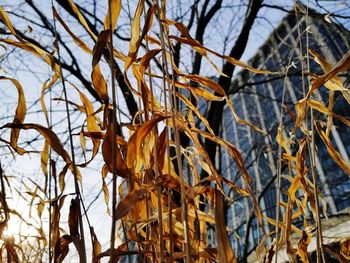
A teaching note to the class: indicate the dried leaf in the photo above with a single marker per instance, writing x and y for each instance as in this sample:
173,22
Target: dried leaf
47,85
107,153
202,50
240,121
20,114
206,82
96,247
332,151
45,158
37,51
4,17
76,39
113,16
345,248
225,251
100,47
136,140
283,141
73,218
97,78
235,154
99,83
62,248
105,188
135,36
49,135
81,18
40,208
127,203
303,243
91,125
342,65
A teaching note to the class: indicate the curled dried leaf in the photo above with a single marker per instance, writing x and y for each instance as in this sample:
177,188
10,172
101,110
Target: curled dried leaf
49,135
303,243
345,248
76,39
73,218
225,251
332,151
20,114
136,140
62,248
112,15
128,202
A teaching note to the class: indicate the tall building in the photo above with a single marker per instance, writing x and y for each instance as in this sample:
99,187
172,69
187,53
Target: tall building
257,99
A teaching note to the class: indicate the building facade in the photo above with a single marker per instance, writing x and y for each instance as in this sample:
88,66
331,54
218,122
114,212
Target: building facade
258,98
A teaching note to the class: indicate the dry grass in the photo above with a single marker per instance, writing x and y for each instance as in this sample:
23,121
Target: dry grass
159,211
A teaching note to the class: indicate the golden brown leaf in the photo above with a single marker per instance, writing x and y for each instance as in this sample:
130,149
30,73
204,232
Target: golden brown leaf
99,83
303,243
135,36
202,50
206,82
4,17
76,39
128,202
148,21
113,16
91,125
342,65
20,114
37,51
107,153
225,251
41,206
45,158
61,177
345,248
62,248
97,78
49,135
283,141
332,151
100,47
136,140
240,121
81,18
96,247
235,154
105,188
47,85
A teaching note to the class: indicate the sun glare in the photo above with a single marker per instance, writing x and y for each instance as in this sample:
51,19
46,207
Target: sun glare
16,229
12,229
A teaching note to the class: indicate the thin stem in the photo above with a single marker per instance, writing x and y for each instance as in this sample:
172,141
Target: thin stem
156,163
320,252
74,170
50,180
114,123
176,132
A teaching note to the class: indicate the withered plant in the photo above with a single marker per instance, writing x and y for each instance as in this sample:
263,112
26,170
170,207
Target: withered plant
169,194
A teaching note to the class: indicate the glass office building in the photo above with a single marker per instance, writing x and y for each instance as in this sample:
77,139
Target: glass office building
257,99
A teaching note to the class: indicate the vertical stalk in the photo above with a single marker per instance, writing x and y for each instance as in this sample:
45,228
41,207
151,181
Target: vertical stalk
172,96
311,145
3,194
74,170
114,123
50,181
279,162
156,163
